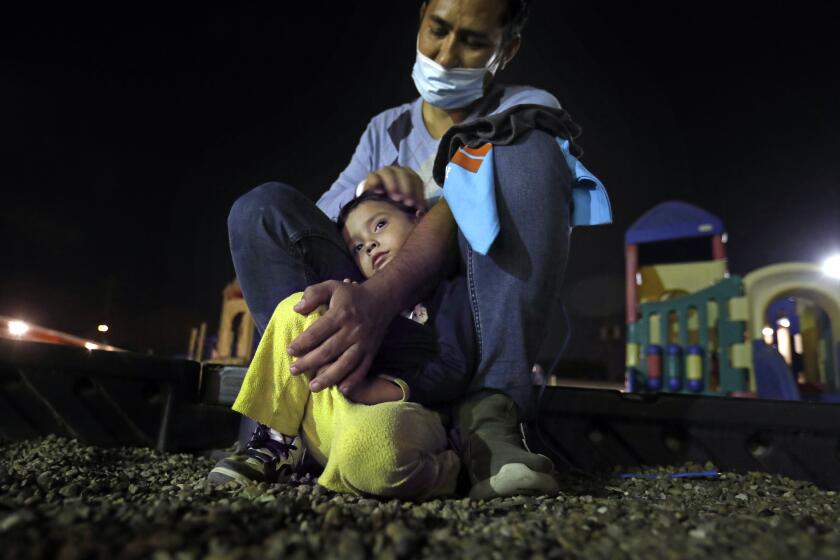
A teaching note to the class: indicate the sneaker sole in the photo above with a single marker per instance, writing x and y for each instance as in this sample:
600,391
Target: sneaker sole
514,479
222,475
241,472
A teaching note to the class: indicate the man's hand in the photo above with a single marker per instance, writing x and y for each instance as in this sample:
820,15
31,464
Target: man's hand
345,339
401,184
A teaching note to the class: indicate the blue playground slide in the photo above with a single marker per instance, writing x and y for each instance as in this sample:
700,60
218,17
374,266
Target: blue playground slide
773,378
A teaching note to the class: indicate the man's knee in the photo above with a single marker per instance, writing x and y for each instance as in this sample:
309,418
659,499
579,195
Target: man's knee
533,145
534,165
251,206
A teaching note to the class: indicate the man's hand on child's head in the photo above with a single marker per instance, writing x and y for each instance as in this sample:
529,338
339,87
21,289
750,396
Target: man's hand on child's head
341,344
401,184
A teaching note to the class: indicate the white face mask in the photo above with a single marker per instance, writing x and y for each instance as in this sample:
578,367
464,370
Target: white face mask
450,88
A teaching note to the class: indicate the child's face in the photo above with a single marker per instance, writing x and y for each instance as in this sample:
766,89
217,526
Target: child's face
374,232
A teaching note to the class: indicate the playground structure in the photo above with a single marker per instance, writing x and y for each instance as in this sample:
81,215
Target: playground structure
235,342
694,328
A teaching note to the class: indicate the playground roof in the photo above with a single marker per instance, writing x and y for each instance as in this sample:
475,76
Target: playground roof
673,220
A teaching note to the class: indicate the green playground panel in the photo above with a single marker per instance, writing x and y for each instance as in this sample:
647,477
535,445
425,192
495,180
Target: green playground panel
728,333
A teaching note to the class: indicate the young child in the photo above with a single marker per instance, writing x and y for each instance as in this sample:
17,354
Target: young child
442,358
378,439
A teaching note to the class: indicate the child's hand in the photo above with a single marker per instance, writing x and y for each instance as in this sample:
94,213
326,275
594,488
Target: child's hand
374,391
359,392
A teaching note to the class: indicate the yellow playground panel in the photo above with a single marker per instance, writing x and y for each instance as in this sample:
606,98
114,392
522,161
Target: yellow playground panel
666,281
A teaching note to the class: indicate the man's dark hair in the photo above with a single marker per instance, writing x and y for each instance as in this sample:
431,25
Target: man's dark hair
371,196
516,16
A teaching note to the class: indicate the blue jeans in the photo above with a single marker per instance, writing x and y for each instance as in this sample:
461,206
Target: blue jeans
281,242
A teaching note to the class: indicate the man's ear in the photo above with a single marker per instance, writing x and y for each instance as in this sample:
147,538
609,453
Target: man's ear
423,7
510,49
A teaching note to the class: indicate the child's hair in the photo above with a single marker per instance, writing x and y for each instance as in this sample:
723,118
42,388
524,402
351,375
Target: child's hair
375,196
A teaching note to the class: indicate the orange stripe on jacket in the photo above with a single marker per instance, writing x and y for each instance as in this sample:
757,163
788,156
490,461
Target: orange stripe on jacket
481,151
462,160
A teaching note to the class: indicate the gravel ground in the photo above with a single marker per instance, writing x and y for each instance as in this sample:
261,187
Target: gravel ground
61,498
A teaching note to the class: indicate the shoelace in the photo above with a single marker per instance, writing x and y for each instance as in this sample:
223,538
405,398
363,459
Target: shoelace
261,439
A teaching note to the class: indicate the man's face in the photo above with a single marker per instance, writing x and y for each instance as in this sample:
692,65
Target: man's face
374,232
462,33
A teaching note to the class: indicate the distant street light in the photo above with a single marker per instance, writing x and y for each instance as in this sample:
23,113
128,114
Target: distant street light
18,328
91,346
831,266
102,328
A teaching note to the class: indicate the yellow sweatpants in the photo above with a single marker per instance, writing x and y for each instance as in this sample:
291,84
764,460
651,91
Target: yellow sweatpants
395,449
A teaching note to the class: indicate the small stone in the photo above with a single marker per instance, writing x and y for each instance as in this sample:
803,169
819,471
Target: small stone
377,519
444,534
333,517
45,480
16,518
403,538
351,546
69,491
697,533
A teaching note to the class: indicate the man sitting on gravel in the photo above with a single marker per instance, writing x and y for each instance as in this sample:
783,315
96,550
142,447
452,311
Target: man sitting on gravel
281,243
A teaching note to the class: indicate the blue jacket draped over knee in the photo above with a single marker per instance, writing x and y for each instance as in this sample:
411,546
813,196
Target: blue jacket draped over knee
469,185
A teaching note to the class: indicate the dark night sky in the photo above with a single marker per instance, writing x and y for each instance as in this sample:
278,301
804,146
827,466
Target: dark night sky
126,136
